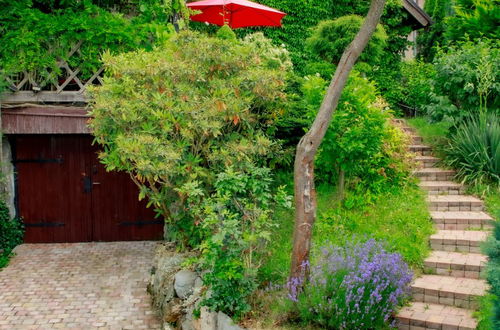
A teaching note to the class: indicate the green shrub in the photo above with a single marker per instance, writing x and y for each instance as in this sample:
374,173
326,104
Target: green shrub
239,219
474,19
433,36
467,79
34,37
360,140
474,149
416,85
492,249
330,38
175,117
11,233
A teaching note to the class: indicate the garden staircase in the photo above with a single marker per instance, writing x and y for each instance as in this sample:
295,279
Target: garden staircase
446,295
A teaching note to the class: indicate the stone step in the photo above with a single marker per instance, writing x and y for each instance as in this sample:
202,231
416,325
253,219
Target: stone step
467,241
408,129
420,149
448,290
426,161
417,139
421,315
453,220
454,203
434,174
442,187
469,265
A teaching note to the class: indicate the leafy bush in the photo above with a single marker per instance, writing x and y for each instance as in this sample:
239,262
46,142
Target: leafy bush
467,79
357,286
360,140
474,149
11,233
175,117
474,19
492,249
330,38
416,85
36,34
239,220
429,39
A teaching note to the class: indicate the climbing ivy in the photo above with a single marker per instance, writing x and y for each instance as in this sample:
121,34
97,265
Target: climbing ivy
35,34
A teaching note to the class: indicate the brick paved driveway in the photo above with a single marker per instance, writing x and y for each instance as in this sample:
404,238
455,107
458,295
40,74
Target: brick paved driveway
81,285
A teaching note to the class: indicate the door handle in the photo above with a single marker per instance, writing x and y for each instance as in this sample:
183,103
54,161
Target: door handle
96,183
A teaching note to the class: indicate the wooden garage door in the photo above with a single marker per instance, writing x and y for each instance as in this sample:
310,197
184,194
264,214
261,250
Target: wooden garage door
64,194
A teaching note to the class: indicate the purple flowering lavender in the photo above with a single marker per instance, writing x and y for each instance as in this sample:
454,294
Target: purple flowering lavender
357,286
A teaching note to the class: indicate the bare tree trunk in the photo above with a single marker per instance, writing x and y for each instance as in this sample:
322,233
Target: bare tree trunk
305,193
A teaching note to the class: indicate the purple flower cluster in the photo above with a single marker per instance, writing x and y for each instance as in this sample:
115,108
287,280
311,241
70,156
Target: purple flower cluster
357,286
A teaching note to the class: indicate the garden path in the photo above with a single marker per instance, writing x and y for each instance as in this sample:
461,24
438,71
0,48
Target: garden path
446,295
78,285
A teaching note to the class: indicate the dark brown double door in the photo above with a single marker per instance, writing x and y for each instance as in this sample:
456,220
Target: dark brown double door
64,193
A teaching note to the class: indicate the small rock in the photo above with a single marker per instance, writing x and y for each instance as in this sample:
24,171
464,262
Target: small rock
208,319
184,283
224,322
198,283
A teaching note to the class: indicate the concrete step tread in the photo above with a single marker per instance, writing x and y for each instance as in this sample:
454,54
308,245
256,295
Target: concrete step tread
453,198
440,184
440,285
460,236
421,158
419,146
435,316
460,215
433,170
456,260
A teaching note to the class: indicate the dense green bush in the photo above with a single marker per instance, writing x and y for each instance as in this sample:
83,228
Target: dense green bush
35,34
360,140
11,233
467,79
473,19
416,86
175,117
239,219
474,149
433,37
330,38
492,249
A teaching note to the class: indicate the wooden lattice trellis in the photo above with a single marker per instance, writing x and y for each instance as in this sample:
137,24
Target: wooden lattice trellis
67,86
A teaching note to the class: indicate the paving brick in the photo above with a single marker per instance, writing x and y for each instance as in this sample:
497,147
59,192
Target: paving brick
462,220
76,286
454,203
434,316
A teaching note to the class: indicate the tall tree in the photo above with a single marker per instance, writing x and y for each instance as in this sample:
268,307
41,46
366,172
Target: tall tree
305,193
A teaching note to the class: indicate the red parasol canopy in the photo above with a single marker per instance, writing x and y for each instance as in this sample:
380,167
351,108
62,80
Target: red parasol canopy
236,13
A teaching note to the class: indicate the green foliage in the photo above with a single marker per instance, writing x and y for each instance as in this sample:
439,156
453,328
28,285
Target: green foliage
467,80
399,217
492,249
474,149
474,19
238,217
359,141
225,32
175,117
330,38
11,234
416,86
303,15
434,36
34,35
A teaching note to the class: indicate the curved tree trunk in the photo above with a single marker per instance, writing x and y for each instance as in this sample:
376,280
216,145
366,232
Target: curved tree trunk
305,193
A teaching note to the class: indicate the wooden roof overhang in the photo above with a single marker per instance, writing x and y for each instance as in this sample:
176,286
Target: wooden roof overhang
418,17
45,120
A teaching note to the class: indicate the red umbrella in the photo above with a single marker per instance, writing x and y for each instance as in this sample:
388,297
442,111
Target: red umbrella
236,13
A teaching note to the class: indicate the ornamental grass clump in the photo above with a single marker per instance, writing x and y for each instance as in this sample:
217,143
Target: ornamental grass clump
357,286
